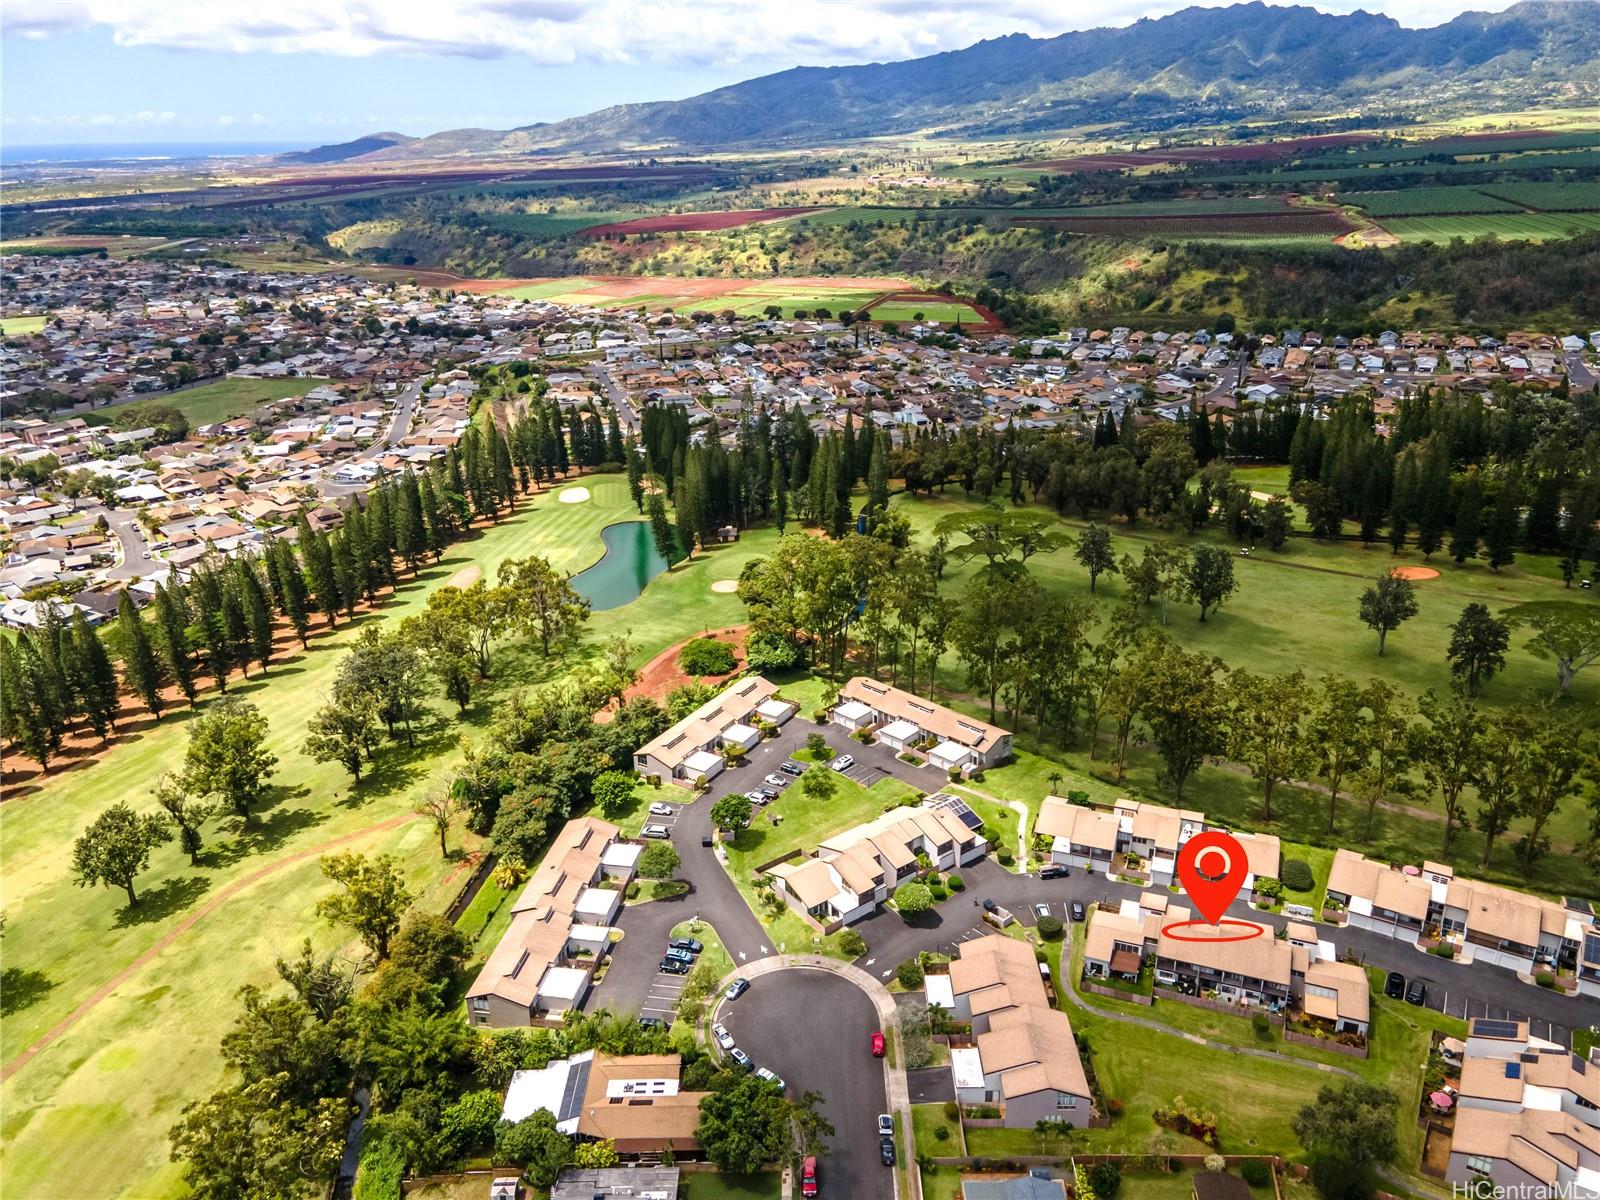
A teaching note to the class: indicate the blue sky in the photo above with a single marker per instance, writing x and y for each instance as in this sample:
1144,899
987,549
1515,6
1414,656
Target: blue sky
313,71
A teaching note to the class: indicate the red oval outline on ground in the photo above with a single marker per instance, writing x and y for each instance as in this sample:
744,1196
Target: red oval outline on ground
1256,931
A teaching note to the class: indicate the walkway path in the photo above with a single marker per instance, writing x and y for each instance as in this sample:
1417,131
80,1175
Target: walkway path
182,927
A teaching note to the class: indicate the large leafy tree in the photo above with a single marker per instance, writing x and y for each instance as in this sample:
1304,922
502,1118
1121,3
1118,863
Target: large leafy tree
1267,732
536,1145
227,755
1340,736
1186,709
1094,553
542,600
344,730
1559,751
1349,1129
1209,577
186,814
140,666
246,1141
373,897
116,847
1565,631
1004,537
731,812
745,1127
1448,749
1386,605
1478,644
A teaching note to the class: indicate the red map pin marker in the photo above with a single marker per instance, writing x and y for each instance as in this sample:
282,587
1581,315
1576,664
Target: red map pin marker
1212,866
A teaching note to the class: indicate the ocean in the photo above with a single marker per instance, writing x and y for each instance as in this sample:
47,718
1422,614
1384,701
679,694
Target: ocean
134,154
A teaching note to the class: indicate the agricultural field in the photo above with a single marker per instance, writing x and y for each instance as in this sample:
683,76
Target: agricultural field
1536,227
13,326
148,994
1428,201
694,222
907,311
1324,224
549,226
232,397
1550,196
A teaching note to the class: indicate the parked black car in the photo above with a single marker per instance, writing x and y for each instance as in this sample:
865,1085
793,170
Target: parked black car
705,839
673,966
692,945
988,905
1417,993
1054,871
792,768
1077,912
1394,986
886,1151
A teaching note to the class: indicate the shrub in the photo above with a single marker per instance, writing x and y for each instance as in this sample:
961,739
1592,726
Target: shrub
1260,1024
1106,1180
1443,950
1051,928
1269,887
942,1133
1005,858
771,652
382,1166
706,656
1256,1173
1296,875
1113,1108
955,883
852,943
1545,980
909,973
952,1110
913,899
937,892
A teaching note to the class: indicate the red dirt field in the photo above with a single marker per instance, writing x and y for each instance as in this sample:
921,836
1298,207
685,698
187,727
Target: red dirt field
696,222
661,674
1415,574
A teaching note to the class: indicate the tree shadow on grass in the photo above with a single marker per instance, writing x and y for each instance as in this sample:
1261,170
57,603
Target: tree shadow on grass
21,988
400,767
159,903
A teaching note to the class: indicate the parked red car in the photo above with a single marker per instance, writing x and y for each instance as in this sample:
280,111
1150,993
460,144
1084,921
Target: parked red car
878,1048
808,1178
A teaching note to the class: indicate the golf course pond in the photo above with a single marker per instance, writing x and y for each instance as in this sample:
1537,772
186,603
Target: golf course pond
631,560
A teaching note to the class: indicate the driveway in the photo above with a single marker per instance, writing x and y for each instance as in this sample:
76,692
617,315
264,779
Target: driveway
814,1029
634,983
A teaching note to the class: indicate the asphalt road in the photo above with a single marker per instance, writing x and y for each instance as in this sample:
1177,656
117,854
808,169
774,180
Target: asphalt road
399,425
815,1030
1578,372
136,560
628,419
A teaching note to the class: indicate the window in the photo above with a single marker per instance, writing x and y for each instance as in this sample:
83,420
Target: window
1066,1100
1480,1165
479,1004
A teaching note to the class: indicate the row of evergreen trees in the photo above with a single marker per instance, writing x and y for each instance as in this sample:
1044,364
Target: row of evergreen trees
222,617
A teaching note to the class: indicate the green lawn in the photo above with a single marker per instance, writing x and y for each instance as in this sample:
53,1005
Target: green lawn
118,1078
13,326
707,1185
549,288
1296,610
926,1122
905,311
229,398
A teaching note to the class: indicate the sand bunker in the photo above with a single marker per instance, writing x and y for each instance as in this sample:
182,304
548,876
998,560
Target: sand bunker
573,495
1414,573
465,577
725,585
1263,496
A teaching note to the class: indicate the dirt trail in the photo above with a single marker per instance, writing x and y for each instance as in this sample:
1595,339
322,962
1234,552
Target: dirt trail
182,927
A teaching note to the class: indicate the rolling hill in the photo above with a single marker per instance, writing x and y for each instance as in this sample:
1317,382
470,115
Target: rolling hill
1224,63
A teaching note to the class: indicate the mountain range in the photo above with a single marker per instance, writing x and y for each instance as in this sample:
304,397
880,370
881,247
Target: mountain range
1217,63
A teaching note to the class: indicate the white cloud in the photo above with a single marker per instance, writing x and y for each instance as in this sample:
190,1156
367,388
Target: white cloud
683,32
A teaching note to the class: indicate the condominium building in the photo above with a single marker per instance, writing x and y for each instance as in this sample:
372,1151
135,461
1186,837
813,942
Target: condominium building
692,749
903,719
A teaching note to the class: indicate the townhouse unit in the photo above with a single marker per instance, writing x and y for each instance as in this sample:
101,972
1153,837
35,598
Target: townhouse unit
1527,1115
902,719
560,929
634,1100
1386,900
855,871
1091,838
692,749
1336,994
1259,971
1024,1058
1486,922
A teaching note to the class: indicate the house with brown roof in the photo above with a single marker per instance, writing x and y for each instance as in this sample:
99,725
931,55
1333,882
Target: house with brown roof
1507,928
1024,1058
901,719
1384,899
1080,836
560,929
1256,971
635,1100
692,748
855,871
1527,1114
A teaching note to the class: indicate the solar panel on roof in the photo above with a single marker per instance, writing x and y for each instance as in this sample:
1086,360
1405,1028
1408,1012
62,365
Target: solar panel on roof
1591,948
1484,1027
1577,905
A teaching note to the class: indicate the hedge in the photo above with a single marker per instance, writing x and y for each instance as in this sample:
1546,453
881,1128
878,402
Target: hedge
1296,875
